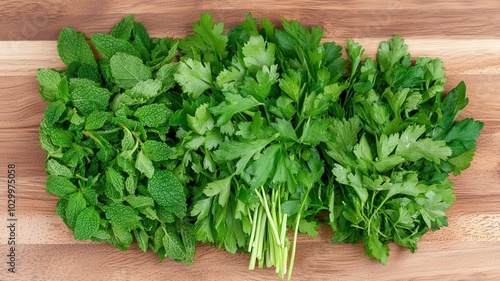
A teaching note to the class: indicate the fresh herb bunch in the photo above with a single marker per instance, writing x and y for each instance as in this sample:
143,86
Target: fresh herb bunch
106,133
256,109
278,128
240,138
394,148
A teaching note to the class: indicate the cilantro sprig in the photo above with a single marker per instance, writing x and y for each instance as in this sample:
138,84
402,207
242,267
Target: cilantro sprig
253,120
246,137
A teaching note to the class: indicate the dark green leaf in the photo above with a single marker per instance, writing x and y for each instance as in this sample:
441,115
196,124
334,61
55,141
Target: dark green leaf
59,186
87,224
167,191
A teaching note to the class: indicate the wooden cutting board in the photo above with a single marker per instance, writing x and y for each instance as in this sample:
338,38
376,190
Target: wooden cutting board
465,34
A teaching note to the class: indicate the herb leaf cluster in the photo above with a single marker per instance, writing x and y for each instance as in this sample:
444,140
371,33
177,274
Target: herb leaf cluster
106,132
244,138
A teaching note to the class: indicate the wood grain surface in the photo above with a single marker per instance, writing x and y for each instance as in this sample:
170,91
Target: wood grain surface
465,34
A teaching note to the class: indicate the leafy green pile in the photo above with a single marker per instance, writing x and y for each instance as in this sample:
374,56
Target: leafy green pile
106,133
240,138
394,148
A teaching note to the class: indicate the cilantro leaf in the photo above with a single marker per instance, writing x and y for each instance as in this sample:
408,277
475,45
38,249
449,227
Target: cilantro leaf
314,131
208,37
202,121
234,104
285,129
220,187
194,77
263,167
144,164
391,52
257,53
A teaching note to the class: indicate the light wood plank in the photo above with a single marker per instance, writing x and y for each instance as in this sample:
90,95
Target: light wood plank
471,260
472,56
43,20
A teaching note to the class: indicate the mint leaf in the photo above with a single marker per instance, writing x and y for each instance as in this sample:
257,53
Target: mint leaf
142,42
142,239
87,224
123,29
121,237
59,186
106,130
153,115
128,70
157,151
116,179
189,241
96,120
166,75
56,169
137,202
60,137
54,112
76,204
48,80
87,99
144,164
110,46
120,215
128,142
73,48
168,192
174,248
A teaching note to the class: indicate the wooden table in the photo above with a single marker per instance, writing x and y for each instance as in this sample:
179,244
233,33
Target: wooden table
465,34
